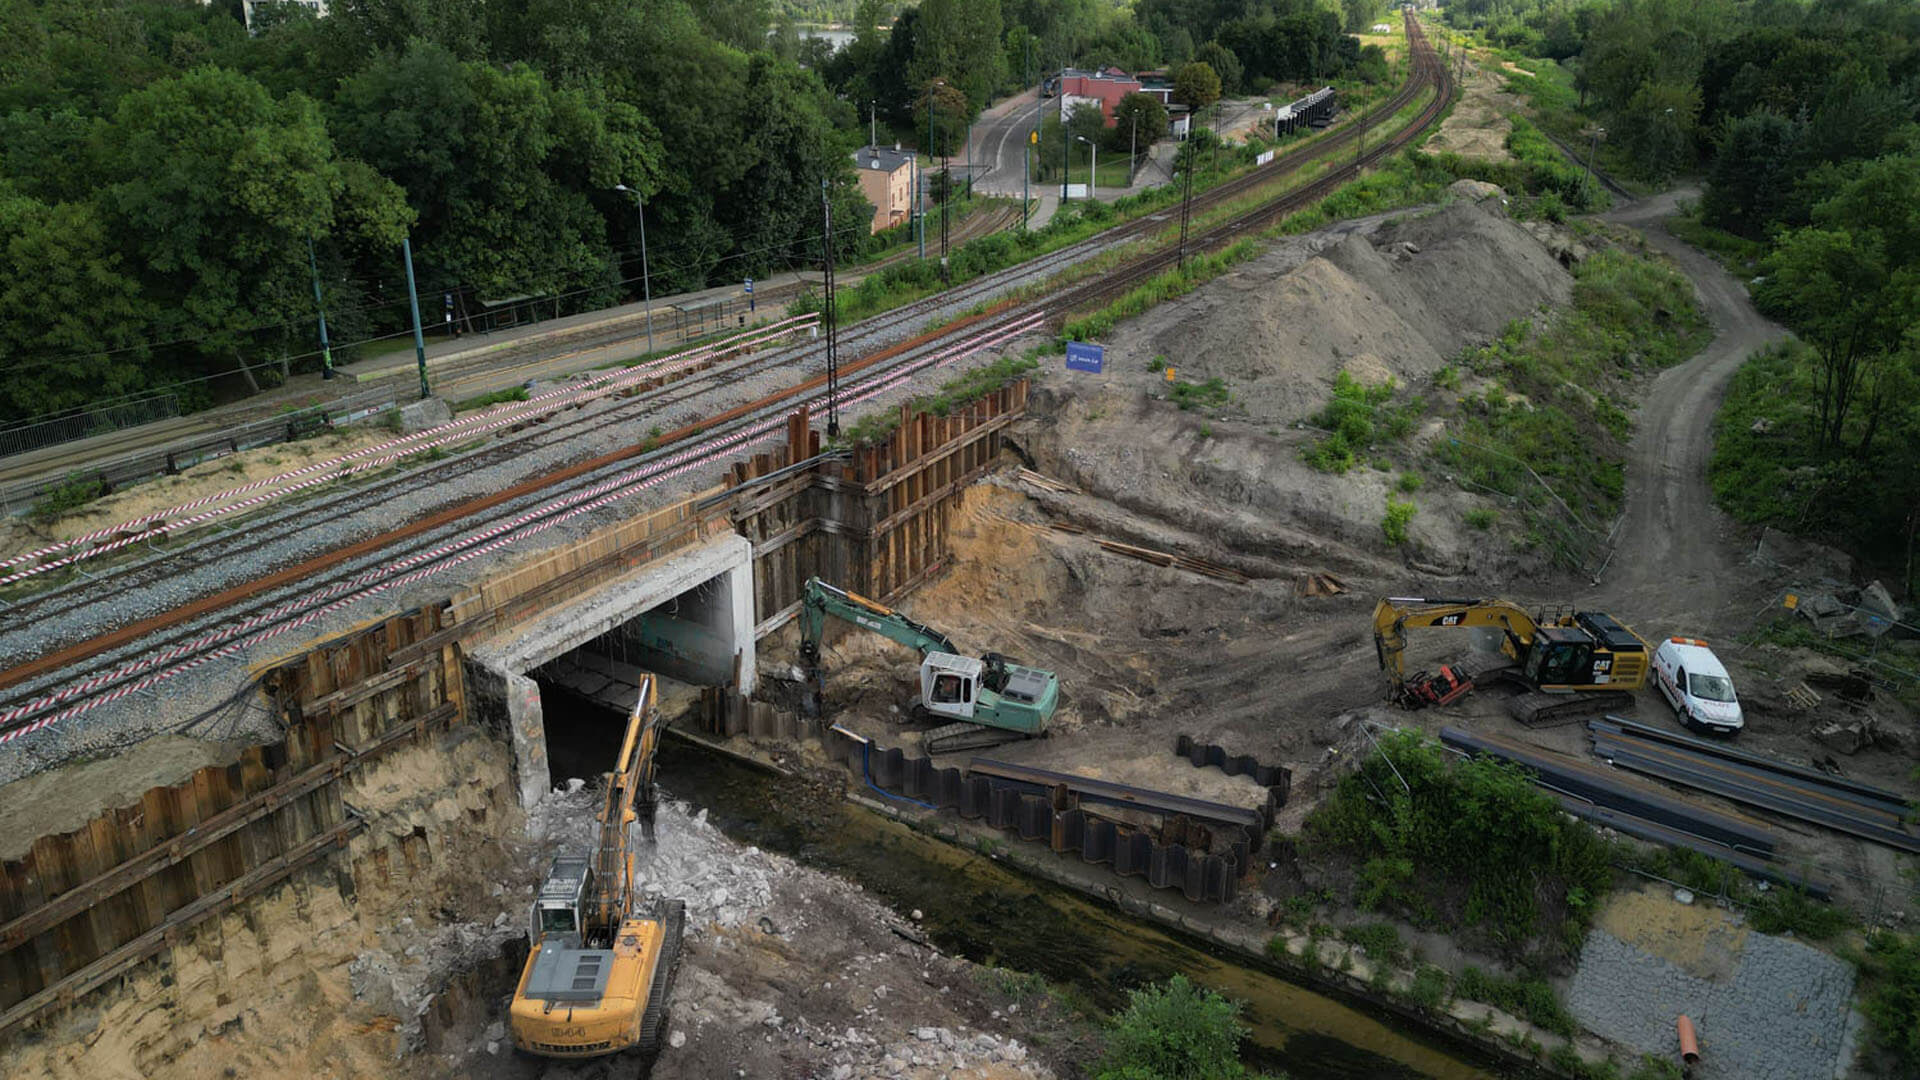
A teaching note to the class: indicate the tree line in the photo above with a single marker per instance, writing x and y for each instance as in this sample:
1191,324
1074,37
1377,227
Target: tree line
1802,119
175,181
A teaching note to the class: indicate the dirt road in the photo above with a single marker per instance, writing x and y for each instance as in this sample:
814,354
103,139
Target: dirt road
1676,568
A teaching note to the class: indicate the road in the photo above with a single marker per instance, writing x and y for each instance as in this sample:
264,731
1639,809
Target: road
995,155
1676,564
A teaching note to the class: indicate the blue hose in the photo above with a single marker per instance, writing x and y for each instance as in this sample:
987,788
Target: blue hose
866,773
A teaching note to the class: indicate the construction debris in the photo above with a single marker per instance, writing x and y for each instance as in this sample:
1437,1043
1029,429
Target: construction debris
1158,558
1803,698
1045,482
1319,584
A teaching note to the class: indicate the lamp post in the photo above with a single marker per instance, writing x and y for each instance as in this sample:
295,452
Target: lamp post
1093,166
413,297
646,273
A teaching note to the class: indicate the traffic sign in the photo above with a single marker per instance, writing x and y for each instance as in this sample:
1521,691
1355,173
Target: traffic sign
1085,356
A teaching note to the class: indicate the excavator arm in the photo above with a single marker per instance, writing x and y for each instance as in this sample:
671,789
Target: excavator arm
630,796
1394,614
823,601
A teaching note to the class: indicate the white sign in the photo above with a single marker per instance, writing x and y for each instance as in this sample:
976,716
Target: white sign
1263,158
1077,191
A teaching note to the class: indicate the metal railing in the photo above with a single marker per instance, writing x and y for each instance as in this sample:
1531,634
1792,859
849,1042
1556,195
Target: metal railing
88,423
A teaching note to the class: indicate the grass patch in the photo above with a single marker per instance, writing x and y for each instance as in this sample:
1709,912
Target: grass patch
1482,518
1890,994
1161,287
1430,987
955,393
497,397
1380,940
1207,395
76,491
1357,415
1776,910
1737,253
1530,999
1551,431
1470,845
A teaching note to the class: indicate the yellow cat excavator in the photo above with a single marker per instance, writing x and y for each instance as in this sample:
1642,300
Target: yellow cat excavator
602,965
1568,665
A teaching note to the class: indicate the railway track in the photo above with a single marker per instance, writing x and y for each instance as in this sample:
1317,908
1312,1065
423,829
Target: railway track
245,614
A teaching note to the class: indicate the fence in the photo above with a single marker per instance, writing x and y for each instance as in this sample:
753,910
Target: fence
219,440
82,425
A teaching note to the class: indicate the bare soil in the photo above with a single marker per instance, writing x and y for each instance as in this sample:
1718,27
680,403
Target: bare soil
162,493
1478,126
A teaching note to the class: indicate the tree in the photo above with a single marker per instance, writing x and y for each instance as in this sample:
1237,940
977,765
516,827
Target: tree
1830,285
959,41
1752,176
1174,1031
1224,63
1139,120
949,120
1359,13
1196,85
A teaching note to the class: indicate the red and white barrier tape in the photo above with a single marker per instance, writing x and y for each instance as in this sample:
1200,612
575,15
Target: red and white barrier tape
458,430
227,640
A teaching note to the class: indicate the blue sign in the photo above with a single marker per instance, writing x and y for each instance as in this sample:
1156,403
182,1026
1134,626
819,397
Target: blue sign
1084,356
749,286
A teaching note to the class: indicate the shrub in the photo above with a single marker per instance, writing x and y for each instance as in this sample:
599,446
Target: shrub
77,490
1530,999
1207,395
513,393
1482,518
1470,842
1447,378
1429,990
1410,482
1890,970
1790,910
1174,1031
1380,940
1394,524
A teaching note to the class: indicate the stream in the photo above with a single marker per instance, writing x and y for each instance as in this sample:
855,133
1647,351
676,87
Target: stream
990,913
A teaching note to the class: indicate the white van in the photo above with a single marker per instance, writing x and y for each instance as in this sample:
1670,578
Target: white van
1693,681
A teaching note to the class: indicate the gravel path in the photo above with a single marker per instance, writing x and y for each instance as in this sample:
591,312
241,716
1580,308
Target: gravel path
1781,1013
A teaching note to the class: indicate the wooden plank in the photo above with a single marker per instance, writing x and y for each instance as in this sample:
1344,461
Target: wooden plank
138,949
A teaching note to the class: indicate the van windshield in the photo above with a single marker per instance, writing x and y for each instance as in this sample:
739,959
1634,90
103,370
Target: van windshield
1710,687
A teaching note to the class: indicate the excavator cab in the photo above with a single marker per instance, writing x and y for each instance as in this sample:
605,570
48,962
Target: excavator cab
950,685
1560,656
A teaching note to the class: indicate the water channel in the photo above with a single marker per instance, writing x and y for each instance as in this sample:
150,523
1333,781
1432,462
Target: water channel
976,907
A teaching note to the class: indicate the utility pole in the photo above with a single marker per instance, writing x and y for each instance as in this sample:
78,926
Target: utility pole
946,196
419,342
1026,146
646,270
1585,183
1186,203
920,204
1066,141
320,306
831,314
873,127
1133,149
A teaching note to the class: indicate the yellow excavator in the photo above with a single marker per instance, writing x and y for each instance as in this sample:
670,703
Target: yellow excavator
602,964
1567,665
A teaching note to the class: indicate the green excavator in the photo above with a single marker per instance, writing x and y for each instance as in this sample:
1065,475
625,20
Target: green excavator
993,700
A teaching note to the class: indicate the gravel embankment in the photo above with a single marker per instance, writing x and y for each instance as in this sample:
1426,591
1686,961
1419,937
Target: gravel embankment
1779,1014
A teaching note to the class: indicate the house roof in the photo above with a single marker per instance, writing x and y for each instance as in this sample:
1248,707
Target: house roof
882,158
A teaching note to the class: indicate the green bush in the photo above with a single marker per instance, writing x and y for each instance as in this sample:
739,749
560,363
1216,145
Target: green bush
1890,973
1482,518
1356,416
1472,844
1530,999
1429,990
1394,524
1789,910
1380,940
1207,395
1174,1031
77,490
1410,482
514,393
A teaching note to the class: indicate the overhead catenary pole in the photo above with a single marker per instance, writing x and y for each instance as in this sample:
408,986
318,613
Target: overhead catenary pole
1066,141
646,271
830,313
1026,145
320,308
419,340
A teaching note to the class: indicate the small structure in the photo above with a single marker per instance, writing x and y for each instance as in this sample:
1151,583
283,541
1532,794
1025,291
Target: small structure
1157,83
1104,88
1314,110
886,179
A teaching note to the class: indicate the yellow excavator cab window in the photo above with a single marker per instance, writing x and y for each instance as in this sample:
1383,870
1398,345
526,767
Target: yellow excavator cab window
558,921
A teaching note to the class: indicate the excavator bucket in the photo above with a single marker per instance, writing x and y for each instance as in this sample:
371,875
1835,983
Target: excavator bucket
1443,687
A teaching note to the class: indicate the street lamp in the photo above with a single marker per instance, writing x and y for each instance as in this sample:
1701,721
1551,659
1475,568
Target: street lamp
1593,145
1093,166
646,275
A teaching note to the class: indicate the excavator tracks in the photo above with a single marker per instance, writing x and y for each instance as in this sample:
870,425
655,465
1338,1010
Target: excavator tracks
665,967
1537,710
954,738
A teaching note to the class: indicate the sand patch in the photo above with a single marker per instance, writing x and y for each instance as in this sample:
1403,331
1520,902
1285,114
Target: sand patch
1702,940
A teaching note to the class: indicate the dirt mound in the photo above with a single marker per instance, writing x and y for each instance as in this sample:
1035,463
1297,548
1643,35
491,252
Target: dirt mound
1403,302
